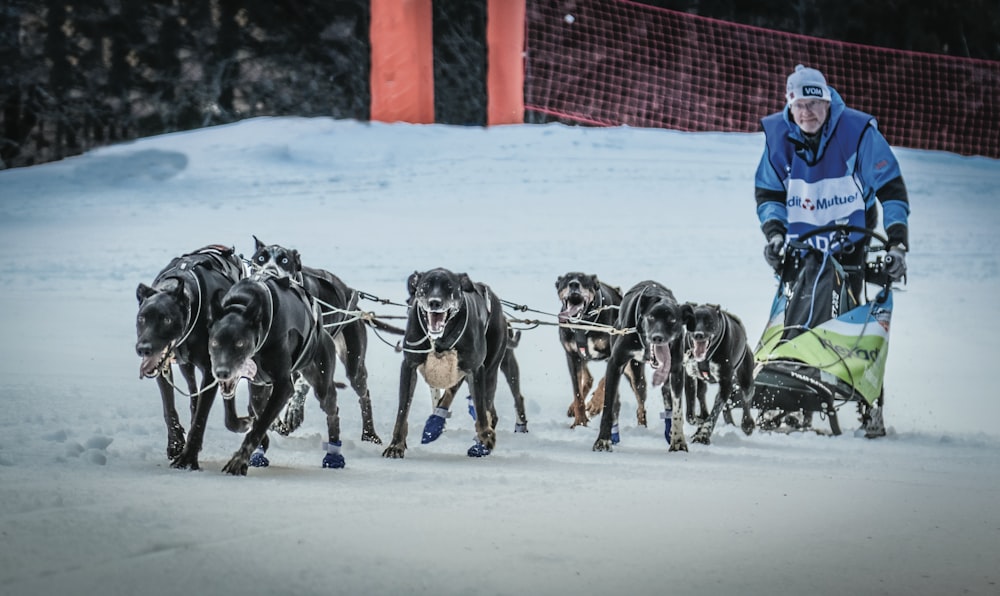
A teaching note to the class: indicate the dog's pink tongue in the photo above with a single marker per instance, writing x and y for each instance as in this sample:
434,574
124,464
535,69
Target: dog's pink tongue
699,350
436,322
569,312
147,368
661,362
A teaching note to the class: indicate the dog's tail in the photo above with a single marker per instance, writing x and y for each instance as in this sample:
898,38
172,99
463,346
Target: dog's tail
383,326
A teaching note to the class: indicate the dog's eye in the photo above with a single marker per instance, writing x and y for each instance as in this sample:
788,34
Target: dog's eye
140,319
214,343
239,343
167,320
261,259
284,261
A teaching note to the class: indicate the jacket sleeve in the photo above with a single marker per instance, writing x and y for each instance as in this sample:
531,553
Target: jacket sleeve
771,196
879,169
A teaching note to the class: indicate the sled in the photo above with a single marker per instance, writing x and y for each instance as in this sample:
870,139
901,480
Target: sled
831,351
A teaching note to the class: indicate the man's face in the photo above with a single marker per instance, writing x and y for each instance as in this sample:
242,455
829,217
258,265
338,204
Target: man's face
810,114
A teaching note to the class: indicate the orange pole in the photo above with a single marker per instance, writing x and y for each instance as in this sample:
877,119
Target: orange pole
402,55
505,61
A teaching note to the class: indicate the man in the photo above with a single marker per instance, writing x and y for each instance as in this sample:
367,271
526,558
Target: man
825,163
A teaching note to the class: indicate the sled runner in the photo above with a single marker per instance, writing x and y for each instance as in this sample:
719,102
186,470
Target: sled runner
824,347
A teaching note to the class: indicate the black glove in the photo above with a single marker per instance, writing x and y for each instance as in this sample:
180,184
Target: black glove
895,262
774,250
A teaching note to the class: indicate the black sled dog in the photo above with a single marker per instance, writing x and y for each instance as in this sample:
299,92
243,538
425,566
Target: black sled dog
716,351
456,331
266,330
172,324
336,302
652,317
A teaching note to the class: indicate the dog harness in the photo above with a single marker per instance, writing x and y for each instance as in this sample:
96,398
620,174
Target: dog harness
189,265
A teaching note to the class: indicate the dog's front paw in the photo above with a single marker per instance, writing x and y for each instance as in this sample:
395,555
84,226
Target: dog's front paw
596,405
394,451
433,428
185,461
258,459
678,445
334,461
747,425
478,450
603,445
701,436
175,442
488,438
371,436
237,466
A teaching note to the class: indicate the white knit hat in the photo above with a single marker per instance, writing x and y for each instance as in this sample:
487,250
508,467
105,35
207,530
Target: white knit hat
806,83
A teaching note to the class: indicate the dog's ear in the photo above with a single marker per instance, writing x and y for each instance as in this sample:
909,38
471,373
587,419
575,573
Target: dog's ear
411,286
215,305
142,291
596,282
296,260
257,244
687,315
466,283
559,281
254,311
179,290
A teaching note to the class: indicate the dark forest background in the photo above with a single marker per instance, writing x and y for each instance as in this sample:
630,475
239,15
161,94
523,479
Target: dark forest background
79,74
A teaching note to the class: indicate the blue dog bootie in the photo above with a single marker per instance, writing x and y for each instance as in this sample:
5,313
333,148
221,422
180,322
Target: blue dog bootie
478,450
616,436
258,459
434,425
472,406
333,458
667,416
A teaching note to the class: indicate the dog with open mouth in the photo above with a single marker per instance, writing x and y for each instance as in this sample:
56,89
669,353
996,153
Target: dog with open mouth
716,351
337,302
651,330
587,301
456,331
266,329
172,325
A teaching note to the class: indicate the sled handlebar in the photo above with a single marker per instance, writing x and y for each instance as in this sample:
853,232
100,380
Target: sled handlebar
843,232
874,271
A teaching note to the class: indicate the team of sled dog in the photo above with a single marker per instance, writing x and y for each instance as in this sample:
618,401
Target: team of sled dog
283,326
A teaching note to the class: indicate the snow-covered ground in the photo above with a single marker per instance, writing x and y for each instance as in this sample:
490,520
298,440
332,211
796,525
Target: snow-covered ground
90,506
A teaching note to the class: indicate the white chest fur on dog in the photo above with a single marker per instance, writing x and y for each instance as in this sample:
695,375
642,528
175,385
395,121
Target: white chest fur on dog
440,370
691,367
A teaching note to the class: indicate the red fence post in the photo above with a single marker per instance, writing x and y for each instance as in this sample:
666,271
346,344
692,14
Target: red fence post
402,55
505,61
